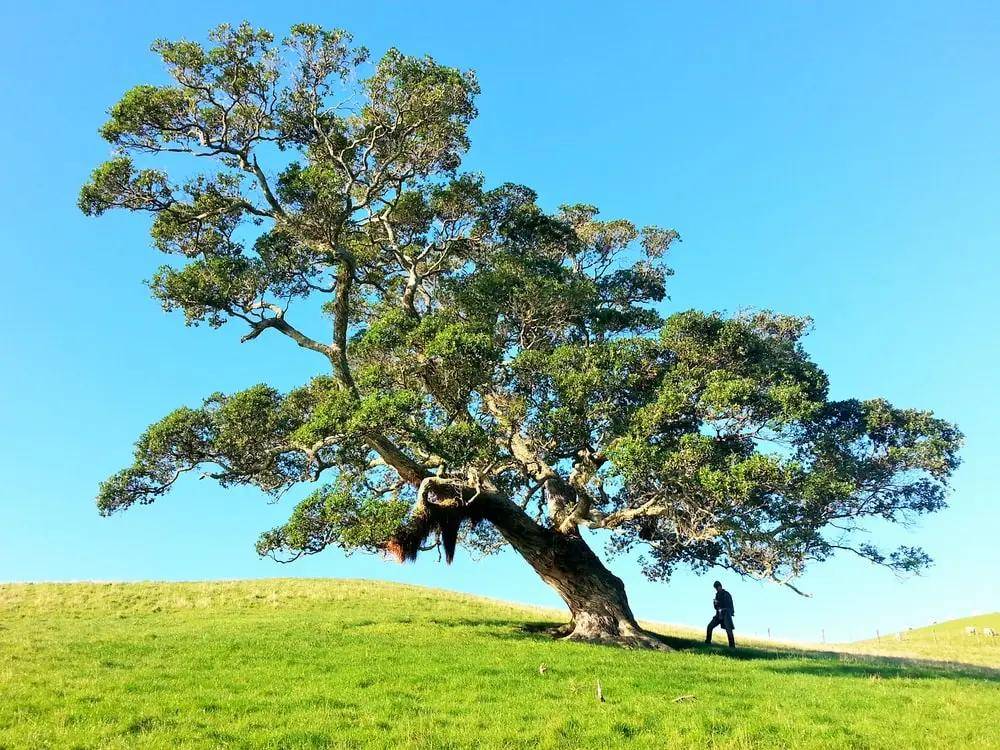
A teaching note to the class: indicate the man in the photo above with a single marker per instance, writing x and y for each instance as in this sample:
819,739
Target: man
724,612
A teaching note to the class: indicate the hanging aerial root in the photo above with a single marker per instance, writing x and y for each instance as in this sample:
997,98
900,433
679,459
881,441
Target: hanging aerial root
428,518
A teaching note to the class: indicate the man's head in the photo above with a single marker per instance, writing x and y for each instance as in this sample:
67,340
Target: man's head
718,586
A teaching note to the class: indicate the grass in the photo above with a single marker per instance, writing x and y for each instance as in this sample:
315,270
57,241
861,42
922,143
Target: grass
945,640
343,664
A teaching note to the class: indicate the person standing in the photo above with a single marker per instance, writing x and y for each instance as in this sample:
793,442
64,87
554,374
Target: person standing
724,612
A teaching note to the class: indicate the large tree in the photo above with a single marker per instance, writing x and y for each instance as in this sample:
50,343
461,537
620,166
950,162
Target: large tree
495,374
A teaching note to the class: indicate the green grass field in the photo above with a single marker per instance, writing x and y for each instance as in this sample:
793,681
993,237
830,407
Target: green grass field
945,640
322,663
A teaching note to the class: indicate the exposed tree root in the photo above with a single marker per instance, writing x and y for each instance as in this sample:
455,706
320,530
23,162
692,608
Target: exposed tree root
628,636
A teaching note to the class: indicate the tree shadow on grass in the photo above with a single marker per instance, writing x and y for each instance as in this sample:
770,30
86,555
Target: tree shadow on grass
782,659
844,664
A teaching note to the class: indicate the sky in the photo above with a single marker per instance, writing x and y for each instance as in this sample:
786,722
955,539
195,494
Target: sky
833,159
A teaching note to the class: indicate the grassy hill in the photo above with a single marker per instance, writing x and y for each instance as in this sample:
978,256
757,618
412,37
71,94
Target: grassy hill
322,663
943,640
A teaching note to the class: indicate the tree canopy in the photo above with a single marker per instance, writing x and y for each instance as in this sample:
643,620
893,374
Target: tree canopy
482,349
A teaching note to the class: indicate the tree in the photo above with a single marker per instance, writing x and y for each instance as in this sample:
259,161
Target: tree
496,374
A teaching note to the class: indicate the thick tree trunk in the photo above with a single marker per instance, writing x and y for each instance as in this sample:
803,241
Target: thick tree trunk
595,596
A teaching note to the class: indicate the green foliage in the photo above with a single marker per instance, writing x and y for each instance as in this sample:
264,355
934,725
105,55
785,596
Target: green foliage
116,184
145,115
332,416
477,338
204,224
742,423
183,436
425,107
223,95
586,395
205,289
335,515
257,436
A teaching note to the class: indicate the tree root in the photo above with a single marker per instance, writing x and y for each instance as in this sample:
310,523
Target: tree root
628,636
561,631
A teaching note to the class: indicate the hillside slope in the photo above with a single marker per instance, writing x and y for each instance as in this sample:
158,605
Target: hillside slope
944,640
345,664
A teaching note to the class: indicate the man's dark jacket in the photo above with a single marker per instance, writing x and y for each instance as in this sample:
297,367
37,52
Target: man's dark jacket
724,602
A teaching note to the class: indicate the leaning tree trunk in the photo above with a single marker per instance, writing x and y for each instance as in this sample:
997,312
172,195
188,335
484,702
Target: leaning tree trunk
595,596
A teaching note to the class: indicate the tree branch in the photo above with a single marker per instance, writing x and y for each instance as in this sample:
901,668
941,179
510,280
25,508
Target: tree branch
279,323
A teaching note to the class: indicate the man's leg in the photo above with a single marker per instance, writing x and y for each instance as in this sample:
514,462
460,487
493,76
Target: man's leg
711,626
727,625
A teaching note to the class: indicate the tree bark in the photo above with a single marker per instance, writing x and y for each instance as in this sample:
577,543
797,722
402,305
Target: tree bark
595,596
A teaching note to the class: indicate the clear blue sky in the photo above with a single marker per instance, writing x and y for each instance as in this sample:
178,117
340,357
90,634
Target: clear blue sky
836,159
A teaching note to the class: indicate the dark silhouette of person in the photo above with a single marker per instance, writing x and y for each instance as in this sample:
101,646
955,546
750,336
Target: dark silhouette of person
724,612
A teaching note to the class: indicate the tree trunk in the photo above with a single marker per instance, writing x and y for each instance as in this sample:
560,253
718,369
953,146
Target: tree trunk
595,596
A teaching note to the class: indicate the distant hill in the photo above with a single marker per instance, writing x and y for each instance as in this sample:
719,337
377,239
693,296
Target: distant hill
946,641
315,664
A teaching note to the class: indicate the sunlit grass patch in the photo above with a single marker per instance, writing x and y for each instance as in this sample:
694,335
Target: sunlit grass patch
320,663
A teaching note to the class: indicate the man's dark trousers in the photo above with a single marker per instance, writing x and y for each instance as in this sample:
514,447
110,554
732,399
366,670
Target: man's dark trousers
725,619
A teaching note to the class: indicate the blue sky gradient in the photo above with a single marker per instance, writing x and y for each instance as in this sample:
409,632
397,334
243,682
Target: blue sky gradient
839,160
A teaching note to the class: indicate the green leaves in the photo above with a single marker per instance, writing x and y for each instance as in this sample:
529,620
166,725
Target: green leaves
117,184
316,192
476,338
897,460
205,290
151,117
449,357
248,437
172,445
755,463
656,241
748,369
205,223
223,100
324,60
580,396
335,515
424,108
